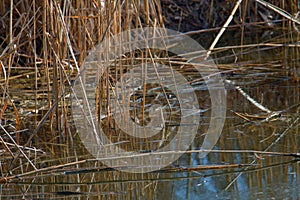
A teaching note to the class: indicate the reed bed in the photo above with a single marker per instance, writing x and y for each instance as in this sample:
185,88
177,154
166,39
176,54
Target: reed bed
43,45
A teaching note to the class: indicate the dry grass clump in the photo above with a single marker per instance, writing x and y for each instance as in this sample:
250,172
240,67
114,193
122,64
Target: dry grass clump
44,43
42,47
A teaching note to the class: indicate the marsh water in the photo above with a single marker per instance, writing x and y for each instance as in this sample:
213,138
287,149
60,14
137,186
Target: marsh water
270,75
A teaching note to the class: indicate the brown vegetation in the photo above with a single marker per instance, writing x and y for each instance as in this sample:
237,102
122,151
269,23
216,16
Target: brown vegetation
44,43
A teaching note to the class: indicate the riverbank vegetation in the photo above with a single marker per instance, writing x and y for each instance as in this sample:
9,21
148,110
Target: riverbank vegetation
43,45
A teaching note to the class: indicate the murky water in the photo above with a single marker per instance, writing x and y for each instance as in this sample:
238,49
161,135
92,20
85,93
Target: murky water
267,75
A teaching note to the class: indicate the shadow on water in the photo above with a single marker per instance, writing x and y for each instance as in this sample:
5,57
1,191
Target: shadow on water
266,74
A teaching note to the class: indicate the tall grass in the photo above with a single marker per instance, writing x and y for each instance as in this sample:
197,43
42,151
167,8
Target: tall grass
44,43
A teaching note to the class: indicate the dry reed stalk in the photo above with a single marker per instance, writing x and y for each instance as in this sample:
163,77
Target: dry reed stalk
65,165
62,34
278,10
18,147
243,19
223,28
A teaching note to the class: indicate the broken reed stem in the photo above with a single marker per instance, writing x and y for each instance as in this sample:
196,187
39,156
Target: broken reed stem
293,124
16,145
254,102
21,146
47,169
266,4
104,169
223,28
280,11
